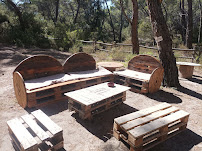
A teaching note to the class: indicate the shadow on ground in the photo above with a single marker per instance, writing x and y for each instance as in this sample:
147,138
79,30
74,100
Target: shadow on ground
102,124
51,109
196,79
189,92
163,96
15,55
184,141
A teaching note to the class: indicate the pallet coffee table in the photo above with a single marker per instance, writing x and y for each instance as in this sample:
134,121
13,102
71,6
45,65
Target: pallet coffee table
148,127
95,99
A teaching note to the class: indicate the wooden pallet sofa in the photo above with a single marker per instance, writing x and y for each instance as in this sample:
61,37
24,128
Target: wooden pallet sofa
41,80
144,74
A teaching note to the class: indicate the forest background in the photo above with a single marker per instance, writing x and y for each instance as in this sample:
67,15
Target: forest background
60,24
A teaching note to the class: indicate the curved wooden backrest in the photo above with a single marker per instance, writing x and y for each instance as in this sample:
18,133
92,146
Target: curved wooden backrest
144,63
79,62
39,66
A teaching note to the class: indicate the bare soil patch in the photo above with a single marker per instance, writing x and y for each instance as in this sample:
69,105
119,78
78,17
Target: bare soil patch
80,135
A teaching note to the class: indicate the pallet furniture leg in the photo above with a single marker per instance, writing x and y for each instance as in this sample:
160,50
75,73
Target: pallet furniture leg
164,132
184,120
116,134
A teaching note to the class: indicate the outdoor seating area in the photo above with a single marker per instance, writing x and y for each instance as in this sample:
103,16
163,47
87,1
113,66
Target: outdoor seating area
89,91
144,74
41,80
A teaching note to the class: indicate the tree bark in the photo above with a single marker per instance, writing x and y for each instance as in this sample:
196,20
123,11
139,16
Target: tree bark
134,24
121,27
189,32
111,22
77,11
164,44
200,23
18,13
56,10
134,39
183,21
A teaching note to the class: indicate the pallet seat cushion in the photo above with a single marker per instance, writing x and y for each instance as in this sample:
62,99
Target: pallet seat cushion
46,81
90,73
58,78
134,74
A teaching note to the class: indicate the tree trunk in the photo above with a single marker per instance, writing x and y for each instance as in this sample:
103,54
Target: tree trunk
183,21
77,11
164,44
111,22
56,10
134,24
18,13
200,23
189,32
121,27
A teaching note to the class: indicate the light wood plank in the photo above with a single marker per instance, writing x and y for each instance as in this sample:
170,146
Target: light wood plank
35,127
47,122
21,133
141,113
156,124
96,93
140,121
134,74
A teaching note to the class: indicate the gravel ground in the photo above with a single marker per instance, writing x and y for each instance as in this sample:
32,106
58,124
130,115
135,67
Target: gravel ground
80,135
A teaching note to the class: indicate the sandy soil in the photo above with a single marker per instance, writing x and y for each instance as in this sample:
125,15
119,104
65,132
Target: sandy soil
97,135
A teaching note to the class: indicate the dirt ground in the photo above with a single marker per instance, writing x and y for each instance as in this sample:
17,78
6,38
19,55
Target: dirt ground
97,135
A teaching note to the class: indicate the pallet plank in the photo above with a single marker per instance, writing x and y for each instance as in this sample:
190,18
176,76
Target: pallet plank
47,122
123,119
154,125
22,134
35,127
134,123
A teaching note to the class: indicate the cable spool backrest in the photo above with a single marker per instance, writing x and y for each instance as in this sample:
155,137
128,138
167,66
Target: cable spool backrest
79,62
39,66
144,63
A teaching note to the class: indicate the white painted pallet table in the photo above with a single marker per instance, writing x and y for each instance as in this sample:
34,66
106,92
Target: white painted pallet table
148,127
95,99
34,132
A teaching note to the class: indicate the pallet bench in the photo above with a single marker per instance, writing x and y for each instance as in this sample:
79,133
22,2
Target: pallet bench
146,128
41,80
95,99
34,132
144,74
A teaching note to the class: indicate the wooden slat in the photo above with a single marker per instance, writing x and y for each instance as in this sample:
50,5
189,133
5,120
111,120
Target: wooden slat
21,133
47,122
134,123
154,125
96,93
141,113
35,127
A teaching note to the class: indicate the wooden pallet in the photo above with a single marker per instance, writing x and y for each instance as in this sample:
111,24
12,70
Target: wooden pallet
35,131
146,128
136,85
87,112
53,93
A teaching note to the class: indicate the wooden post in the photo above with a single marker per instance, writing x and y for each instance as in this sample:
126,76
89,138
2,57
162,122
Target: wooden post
95,47
80,49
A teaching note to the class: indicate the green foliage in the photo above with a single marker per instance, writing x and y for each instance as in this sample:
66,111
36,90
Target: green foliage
31,36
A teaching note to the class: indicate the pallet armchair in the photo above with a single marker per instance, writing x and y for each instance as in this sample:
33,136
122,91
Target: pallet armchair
41,80
144,74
